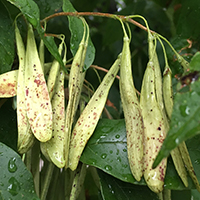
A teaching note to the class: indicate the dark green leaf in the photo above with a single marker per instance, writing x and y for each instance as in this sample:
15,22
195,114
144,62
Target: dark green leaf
188,24
114,189
195,62
107,150
29,9
8,125
185,120
16,181
48,7
7,50
76,28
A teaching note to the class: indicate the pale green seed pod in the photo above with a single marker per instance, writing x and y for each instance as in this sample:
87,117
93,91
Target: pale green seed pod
41,53
25,136
168,102
154,131
89,118
53,74
55,146
167,91
8,84
132,113
179,165
76,79
37,99
187,161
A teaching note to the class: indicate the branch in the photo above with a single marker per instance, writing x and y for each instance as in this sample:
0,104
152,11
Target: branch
96,14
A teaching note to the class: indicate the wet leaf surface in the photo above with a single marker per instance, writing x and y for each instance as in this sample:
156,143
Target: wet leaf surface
16,181
114,189
107,150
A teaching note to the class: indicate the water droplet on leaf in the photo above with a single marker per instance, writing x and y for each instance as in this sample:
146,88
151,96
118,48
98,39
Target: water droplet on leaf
104,155
117,136
14,186
12,167
108,168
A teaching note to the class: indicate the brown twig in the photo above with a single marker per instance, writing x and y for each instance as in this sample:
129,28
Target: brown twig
102,69
108,15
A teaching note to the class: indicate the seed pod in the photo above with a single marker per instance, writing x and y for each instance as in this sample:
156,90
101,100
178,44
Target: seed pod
78,181
158,77
53,74
132,113
179,165
38,104
8,84
41,54
154,131
89,118
187,161
168,102
54,148
25,136
76,79
167,91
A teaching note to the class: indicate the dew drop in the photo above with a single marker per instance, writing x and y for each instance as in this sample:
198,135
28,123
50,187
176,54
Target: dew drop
197,161
12,167
124,150
14,186
117,136
108,168
93,161
119,159
117,152
104,155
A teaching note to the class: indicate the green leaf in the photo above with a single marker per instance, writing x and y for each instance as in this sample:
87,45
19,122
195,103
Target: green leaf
48,7
76,28
32,13
8,125
16,181
194,64
188,24
7,50
184,121
114,189
107,150
29,9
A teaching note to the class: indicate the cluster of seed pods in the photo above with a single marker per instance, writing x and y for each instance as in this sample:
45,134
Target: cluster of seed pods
42,115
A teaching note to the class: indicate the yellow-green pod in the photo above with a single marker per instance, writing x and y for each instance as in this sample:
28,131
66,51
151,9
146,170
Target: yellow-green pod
55,146
132,113
179,165
76,79
168,102
188,163
53,74
89,118
154,131
167,91
37,99
8,84
25,136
